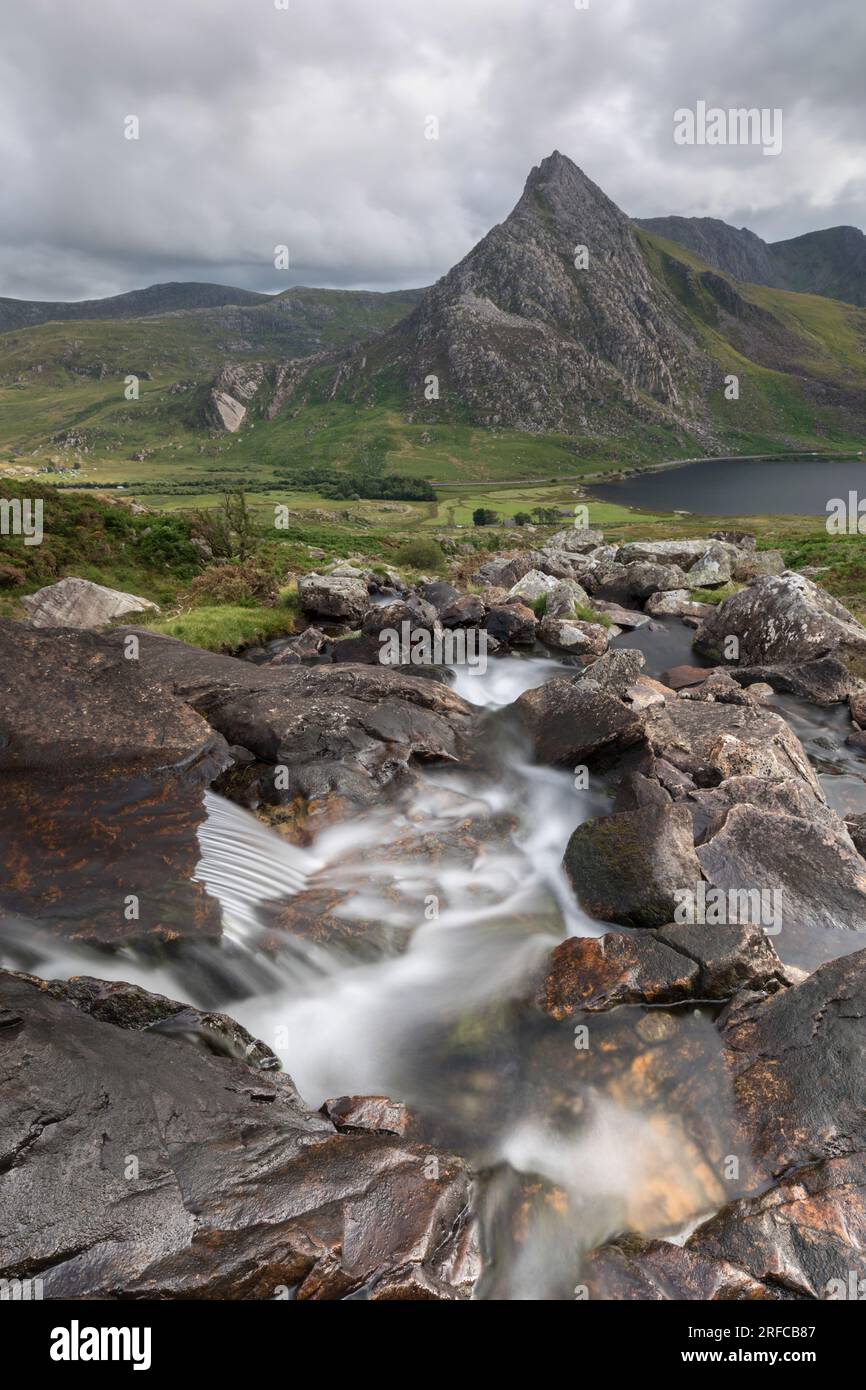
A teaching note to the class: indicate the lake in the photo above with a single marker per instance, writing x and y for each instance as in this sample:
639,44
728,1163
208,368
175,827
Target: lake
740,487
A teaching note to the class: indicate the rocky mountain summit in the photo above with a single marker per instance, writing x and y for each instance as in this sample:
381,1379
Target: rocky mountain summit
553,319
568,318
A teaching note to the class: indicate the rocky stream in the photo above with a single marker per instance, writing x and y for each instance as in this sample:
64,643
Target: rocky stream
333,980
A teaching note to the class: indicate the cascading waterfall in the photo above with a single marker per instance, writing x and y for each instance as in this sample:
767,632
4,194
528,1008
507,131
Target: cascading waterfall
431,1013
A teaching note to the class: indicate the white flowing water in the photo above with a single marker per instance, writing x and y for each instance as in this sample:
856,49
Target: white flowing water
431,1008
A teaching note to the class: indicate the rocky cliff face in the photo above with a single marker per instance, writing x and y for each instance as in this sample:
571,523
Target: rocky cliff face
831,262
520,333
734,250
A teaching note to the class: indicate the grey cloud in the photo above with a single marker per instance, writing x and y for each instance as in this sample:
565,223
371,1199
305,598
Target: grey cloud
261,126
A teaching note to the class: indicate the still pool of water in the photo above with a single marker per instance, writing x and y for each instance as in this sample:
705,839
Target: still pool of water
740,487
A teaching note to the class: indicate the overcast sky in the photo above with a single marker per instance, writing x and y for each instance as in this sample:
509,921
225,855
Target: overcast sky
306,127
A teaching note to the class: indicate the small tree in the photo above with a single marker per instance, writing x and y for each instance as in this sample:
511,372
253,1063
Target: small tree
522,518
484,516
239,521
545,516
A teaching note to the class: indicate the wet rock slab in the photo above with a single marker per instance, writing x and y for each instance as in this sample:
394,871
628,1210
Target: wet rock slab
571,719
628,867
236,1191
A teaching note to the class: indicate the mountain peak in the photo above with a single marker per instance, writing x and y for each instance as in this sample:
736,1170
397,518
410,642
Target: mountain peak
568,195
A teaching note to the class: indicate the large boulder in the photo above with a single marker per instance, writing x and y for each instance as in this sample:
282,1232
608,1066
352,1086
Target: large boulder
628,867
576,540
571,720
335,597
712,569
512,623
533,586
783,618
82,604
797,1061
344,729
466,610
439,592
73,704
564,598
581,638
196,1174
676,603
710,742
684,553
638,581
816,875
825,681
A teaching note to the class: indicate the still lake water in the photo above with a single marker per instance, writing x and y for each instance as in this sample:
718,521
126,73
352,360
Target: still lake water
740,487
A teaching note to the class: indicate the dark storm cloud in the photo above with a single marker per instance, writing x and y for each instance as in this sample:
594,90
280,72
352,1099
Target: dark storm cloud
306,126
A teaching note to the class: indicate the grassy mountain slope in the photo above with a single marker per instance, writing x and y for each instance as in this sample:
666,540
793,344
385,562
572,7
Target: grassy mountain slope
62,384
831,262
155,299
544,370
800,359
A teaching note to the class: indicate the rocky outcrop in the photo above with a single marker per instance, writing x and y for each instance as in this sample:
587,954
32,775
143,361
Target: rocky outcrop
554,321
584,639
333,598
710,742
570,720
82,604
628,867
783,619
637,581
198,1175
794,1058
230,393
683,553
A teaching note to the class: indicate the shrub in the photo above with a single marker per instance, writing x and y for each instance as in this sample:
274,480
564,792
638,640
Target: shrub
233,585
10,575
165,544
422,553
